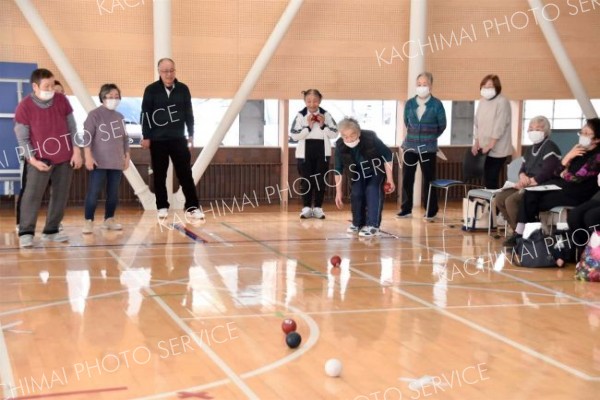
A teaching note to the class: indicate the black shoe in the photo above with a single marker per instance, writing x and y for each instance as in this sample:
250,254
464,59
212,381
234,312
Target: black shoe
512,241
404,214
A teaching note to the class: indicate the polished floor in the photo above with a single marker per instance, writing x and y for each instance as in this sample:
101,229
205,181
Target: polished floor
424,311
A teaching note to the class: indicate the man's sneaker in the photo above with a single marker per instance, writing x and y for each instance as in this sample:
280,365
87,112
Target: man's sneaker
352,229
318,213
404,214
368,231
88,227
306,212
163,213
111,225
55,237
196,214
26,241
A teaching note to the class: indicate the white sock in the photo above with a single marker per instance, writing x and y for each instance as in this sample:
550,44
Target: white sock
520,228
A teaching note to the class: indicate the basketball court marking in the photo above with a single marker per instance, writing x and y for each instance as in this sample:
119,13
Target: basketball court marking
516,278
6,372
185,328
486,331
60,394
384,310
573,371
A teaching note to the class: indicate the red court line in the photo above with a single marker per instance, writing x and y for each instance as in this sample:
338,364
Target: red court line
43,396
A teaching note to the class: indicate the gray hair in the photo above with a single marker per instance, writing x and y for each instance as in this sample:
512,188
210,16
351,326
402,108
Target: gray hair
349,123
427,76
540,119
106,89
164,59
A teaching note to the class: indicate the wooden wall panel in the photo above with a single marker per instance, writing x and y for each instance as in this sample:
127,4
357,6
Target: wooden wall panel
333,45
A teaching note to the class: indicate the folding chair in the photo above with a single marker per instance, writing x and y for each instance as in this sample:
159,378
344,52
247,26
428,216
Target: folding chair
472,168
512,174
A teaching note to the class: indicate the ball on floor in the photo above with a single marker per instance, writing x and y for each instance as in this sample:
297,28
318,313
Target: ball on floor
293,340
288,325
333,367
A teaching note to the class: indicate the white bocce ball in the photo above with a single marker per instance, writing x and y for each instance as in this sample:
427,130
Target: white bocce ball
333,367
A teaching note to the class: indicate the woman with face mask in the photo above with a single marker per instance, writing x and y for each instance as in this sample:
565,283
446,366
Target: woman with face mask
106,149
491,131
369,163
313,128
425,121
540,162
576,175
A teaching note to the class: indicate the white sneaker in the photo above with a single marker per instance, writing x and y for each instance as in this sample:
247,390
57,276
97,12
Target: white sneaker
369,231
26,241
318,213
57,237
88,227
196,214
352,229
111,225
306,212
163,213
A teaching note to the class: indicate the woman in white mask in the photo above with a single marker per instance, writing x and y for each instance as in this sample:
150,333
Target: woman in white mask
576,176
369,163
540,162
491,132
425,121
106,149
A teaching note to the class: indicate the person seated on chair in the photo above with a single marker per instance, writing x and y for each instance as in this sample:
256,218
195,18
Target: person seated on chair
583,220
369,162
541,160
425,120
576,176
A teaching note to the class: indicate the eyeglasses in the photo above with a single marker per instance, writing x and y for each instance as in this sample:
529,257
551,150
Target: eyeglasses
166,71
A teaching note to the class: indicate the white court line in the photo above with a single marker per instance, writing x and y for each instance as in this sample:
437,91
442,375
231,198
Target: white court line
488,332
314,334
6,373
383,310
185,328
521,280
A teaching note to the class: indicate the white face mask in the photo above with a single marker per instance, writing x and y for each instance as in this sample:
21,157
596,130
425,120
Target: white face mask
352,144
536,136
422,91
488,93
46,95
585,141
111,104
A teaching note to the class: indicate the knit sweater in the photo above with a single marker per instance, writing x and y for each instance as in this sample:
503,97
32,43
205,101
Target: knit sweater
422,133
302,130
105,134
492,121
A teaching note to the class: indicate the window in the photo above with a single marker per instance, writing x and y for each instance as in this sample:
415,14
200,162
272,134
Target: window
563,114
376,115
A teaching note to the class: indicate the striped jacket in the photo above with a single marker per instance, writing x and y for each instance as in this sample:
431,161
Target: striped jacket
422,135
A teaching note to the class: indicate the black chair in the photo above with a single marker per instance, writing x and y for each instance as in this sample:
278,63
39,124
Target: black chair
473,166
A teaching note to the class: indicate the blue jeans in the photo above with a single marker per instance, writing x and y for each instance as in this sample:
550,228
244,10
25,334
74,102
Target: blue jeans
112,177
367,200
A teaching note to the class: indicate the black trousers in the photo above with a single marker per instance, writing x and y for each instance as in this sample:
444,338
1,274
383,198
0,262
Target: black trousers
312,169
491,174
571,195
178,151
409,167
582,220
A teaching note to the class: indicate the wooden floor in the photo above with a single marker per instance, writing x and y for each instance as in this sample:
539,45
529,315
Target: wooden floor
422,312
